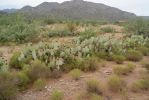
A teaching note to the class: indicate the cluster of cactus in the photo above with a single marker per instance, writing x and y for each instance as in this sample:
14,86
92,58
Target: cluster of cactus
135,41
3,65
54,54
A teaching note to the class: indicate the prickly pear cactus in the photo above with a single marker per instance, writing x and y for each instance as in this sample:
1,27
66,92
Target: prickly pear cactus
3,65
53,54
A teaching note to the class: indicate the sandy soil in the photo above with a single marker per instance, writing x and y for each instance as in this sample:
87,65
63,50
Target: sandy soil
72,89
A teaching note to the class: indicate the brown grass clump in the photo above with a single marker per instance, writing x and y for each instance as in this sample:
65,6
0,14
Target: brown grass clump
139,85
94,86
115,83
75,74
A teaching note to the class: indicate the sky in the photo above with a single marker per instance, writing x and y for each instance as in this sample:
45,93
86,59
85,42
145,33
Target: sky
139,7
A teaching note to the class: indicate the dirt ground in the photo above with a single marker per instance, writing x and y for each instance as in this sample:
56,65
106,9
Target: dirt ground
72,89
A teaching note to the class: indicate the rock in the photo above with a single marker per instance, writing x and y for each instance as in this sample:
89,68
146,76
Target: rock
108,72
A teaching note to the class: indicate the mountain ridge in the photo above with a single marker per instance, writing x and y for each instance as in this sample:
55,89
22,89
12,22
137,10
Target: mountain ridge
77,10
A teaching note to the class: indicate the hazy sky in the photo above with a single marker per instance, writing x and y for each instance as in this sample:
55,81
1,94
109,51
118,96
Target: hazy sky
139,7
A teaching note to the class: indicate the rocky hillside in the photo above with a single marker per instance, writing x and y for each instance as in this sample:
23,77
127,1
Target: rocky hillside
78,10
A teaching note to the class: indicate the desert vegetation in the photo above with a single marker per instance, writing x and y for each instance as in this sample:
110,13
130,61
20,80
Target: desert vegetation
55,49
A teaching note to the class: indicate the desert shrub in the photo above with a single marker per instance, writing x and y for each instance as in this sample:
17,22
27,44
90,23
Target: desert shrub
123,70
69,63
89,96
143,50
39,84
133,55
56,74
102,54
1,53
17,28
124,94
130,67
147,44
26,69
138,26
145,64
59,33
22,80
14,61
91,64
73,64
87,34
105,55
140,85
94,86
71,27
110,57
38,70
115,83
57,95
147,67
120,70
95,97
75,74
107,29
119,59
49,21
8,88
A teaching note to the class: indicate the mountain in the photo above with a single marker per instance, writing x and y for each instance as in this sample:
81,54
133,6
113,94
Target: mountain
2,13
77,10
145,17
10,10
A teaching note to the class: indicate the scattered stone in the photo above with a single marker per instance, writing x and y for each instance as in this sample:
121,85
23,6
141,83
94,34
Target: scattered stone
108,72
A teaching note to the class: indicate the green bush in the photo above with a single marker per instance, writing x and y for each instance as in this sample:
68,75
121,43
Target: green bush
71,27
57,95
8,88
95,97
1,53
22,80
102,54
145,64
75,74
17,28
115,83
73,64
140,85
38,70
144,50
110,57
130,67
138,26
59,33
107,29
119,59
134,55
123,70
120,70
49,21
39,84
94,86
14,61
91,64
87,34
70,63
